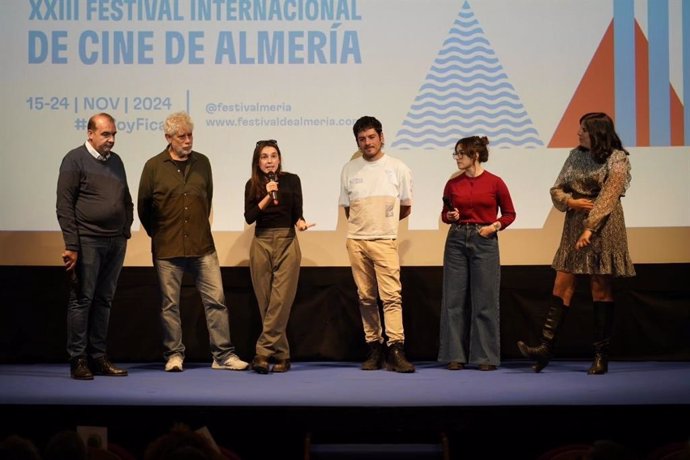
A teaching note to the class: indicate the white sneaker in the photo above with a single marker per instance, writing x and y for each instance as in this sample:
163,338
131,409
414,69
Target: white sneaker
174,364
232,362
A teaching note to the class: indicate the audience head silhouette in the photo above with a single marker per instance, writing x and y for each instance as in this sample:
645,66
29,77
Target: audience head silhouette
182,444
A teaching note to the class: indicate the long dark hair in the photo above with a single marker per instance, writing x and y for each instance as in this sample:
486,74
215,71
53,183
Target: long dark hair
602,136
258,180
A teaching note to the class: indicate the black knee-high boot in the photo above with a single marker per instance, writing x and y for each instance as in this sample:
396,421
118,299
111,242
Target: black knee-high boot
603,329
543,352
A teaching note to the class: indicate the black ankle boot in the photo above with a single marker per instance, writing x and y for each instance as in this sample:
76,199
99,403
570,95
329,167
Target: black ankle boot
374,357
603,329
396,359
543,352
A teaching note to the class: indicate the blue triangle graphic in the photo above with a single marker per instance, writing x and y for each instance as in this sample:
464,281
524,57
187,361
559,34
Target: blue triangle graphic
466,93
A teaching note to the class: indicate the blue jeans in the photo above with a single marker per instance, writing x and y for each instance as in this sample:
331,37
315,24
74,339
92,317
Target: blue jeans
206,272
470,331
99,264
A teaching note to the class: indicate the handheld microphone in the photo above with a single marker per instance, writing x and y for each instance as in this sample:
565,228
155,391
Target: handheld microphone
274,193
448,203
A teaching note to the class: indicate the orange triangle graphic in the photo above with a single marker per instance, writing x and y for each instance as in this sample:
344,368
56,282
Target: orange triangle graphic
596,93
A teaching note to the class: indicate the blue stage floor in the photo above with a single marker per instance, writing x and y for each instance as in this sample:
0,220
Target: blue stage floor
320,384
511,412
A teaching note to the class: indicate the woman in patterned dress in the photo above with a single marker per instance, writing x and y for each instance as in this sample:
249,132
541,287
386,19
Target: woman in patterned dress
594,242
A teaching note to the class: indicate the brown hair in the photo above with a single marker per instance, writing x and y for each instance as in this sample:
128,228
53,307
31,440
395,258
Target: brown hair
474,147
258,177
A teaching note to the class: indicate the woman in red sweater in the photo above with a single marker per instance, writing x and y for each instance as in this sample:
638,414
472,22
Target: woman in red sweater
470,332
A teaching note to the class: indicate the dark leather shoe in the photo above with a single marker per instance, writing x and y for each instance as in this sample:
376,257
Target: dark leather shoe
455,366
103,366
260,364
282,365
487,367
79,369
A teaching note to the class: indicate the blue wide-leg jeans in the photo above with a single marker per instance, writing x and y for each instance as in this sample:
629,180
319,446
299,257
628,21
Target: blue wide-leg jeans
470,331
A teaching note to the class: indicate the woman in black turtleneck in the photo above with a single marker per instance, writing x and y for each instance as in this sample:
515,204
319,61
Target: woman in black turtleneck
273,199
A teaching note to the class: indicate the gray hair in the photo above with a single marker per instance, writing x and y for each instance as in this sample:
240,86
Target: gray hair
178,121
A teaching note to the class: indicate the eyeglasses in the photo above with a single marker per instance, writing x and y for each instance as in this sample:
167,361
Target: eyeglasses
267,141
457,155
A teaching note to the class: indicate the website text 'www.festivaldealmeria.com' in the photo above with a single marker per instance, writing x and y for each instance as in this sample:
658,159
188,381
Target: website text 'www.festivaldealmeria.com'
253,115
277,121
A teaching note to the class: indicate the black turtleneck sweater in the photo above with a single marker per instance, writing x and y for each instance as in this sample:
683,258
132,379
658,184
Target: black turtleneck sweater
283,215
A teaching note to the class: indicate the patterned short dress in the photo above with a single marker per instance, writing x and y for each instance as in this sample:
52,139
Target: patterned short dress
605,184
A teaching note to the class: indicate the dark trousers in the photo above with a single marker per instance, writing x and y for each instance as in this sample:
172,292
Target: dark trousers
99,264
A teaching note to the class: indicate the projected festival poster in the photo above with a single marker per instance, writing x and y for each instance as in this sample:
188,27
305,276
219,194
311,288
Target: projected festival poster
302,71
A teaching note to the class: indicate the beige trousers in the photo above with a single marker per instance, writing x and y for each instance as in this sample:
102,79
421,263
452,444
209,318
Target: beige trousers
274,263
376,270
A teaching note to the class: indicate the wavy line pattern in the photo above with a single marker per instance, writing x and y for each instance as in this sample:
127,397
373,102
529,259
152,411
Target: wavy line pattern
466,93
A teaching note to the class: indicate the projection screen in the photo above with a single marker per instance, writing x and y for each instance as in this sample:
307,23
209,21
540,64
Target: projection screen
302,71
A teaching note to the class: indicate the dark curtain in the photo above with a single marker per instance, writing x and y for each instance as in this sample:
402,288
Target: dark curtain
652,320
